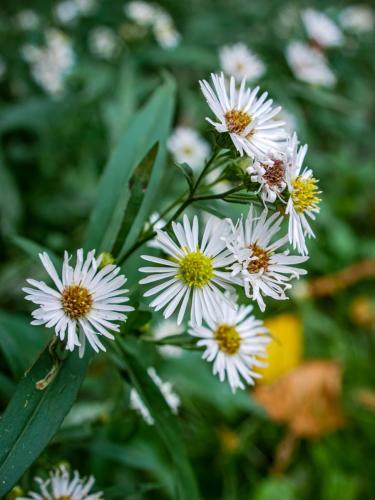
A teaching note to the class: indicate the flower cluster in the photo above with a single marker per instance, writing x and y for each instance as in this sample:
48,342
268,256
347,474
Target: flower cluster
152,16
51,63
200,274
307,59
195,273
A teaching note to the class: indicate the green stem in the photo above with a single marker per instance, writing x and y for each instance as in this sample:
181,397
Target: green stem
188,201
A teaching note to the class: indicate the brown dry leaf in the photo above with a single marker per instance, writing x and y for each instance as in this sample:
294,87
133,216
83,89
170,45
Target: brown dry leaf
307,399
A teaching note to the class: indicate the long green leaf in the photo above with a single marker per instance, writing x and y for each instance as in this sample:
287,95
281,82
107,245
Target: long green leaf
33,417
20,342
165,422
149,126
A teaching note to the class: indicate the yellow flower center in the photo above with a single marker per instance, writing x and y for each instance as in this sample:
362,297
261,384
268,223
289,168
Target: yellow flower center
64,497
261,261
76,301
187,150
196,269
304,194
237,121
228,339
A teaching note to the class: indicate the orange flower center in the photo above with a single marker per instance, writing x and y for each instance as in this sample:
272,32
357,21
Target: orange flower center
237,121
261,261
76,301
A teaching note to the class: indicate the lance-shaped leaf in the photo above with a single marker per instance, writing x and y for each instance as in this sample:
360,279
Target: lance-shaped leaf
137,185
150,125
33,416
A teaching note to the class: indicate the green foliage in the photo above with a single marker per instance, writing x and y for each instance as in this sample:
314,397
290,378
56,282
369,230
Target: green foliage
88,168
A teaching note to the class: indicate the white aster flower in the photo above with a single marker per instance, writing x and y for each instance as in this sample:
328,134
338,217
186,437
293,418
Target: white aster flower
142,13
239,61
247,118
321,29
164,31
52,63
86,303
103,42
61,485
27,19
358,18
171,398
163,330
309,64
260,269
233,342
303,196
187,146
192,270
269,172
67,12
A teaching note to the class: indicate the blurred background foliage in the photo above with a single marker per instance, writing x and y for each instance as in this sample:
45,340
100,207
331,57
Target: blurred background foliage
308,431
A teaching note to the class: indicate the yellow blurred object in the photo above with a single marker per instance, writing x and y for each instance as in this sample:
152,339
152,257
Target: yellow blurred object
362,312
16,492
228,439
107,258
284,352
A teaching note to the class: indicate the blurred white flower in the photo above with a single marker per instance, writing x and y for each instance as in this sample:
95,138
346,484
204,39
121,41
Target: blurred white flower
163,330
66,12
303,200
358,18
321,28
166,388
85,304
153,16
103,42
61,485
233,342
239,61
165,32
86,6
187,146
142,13
259,268
157,223
248,119
309,64
51,63
27,19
